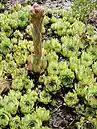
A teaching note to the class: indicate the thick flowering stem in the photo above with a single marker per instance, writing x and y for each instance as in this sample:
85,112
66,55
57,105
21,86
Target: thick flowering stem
36,17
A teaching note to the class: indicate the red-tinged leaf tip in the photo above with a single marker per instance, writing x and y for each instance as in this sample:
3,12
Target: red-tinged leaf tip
31,9
36,8
35,5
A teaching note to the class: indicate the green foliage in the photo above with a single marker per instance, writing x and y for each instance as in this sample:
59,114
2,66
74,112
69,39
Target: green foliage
53,68
85,110
82,8
16,94
66,76
29,30
52,56
71,99
1,7
28,1
42,114
44,97
26,104
90,30
4,118
11,104
14,122
32,94
70,49
60,27
21,80
84,122
17,34
4,1
86,59
27,101
52,83
35,119
74,63
52,44
14,53
53,19
19,84
70,46
78,28
16,7
91,95
94,67
14,20
46,20
5,44
28,121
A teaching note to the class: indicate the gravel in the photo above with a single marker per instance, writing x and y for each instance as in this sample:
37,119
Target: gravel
53,4
58,4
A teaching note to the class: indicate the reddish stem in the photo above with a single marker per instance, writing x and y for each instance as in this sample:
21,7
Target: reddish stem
36,17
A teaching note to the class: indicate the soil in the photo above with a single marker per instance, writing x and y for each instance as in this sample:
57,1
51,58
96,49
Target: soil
62,117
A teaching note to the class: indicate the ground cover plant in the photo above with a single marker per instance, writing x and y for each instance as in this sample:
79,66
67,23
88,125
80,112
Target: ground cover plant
35,99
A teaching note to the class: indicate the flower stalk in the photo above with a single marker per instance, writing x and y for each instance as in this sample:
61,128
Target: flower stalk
36,17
